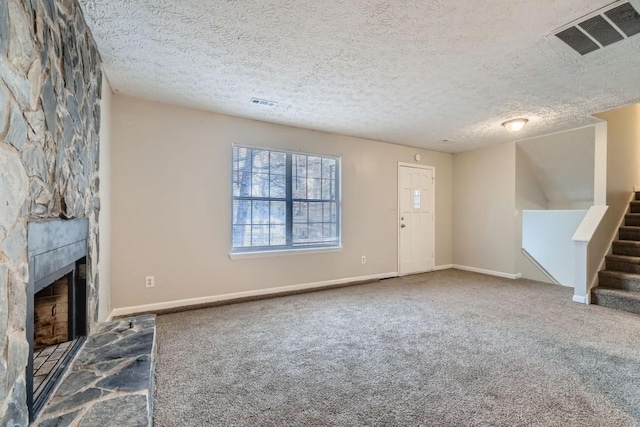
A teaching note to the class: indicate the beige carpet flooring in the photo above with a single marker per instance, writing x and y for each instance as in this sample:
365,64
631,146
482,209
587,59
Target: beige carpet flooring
448,348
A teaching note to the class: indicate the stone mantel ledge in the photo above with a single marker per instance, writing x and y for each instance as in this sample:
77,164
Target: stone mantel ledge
111,380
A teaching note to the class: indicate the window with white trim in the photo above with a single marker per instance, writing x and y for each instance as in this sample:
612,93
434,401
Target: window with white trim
284,200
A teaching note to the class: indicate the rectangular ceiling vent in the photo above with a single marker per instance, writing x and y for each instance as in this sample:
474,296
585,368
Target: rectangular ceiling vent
602,28
264,102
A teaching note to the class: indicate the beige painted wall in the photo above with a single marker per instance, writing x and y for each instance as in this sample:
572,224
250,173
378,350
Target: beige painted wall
104,256
172,212
623,173
529,195
566,206
563,165
484,214
554,172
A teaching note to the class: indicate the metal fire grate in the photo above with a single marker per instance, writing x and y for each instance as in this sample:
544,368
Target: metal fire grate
45,363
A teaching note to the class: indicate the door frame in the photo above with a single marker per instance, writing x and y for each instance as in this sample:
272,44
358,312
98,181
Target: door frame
433,223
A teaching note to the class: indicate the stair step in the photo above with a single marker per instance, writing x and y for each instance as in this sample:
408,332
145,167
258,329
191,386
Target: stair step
626,247
632,219
637,195
616,298
635,206
629,233
628,264
619,280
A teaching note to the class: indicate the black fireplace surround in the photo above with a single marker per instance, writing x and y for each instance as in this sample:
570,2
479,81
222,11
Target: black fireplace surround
56,249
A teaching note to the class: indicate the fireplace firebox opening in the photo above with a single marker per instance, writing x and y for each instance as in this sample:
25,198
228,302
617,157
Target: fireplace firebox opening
58,330
56,305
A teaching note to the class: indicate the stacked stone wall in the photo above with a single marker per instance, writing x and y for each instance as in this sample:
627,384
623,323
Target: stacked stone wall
50,87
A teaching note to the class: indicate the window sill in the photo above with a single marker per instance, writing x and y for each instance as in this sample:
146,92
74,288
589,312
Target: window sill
264,254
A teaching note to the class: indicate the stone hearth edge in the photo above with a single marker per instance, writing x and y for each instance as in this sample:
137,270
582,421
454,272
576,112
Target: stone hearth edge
110,381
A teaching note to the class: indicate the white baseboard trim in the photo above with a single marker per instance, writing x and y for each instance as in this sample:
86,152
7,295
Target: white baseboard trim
488,272
124,311
442,267
581,300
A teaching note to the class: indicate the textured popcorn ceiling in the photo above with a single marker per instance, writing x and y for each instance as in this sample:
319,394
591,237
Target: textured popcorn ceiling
413,72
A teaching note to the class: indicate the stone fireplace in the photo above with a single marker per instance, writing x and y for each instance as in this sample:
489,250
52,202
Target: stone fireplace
56,302
50,113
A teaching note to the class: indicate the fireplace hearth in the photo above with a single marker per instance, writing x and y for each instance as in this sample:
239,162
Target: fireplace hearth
56,303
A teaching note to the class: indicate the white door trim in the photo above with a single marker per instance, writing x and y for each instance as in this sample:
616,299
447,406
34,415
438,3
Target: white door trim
433,203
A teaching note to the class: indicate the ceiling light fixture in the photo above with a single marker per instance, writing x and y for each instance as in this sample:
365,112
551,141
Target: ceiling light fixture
515,125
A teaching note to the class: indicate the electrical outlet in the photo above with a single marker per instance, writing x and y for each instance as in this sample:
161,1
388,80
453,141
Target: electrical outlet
150,281
364,259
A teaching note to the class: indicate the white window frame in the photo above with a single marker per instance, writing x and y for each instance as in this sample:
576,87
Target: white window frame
290,247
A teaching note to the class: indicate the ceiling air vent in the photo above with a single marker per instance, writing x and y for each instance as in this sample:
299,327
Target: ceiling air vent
602,28
626,18
263,102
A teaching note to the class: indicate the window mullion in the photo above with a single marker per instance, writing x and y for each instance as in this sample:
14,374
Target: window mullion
289,196
337,199
270,183
251,192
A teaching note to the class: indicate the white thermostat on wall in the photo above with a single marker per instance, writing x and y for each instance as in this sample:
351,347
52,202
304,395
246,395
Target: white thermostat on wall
417,157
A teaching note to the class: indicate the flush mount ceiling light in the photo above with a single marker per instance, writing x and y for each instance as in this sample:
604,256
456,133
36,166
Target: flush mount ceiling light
515,125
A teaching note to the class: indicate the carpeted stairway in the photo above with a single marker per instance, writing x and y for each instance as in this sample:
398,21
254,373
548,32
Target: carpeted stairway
619,285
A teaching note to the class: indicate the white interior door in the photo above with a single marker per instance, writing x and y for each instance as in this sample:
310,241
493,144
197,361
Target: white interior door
416,219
